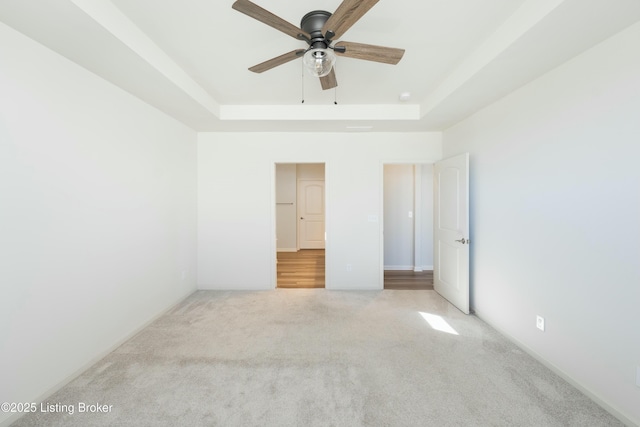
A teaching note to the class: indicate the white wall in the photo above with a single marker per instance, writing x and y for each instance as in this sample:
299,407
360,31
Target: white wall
97,217
555,208
236,199
408,242
426,231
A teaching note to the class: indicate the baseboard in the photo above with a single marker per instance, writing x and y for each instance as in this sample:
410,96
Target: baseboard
408,268
241,287
398,267
287,250
44,396
587,392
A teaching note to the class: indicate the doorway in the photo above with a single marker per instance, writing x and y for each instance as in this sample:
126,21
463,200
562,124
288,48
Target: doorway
300,225
408,226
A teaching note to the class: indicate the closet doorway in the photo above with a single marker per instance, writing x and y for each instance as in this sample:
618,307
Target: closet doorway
408,226
300,225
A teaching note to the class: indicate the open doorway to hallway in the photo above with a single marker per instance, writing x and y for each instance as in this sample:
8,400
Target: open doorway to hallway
300,225
408,226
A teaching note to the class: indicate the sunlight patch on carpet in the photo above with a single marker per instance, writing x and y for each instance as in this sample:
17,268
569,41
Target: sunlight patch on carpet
438,323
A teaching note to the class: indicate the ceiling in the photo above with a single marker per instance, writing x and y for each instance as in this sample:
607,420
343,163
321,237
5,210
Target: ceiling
189,58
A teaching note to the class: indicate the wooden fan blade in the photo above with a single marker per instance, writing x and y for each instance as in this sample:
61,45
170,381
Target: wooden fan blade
346,15
279,60
368,52
329,81
266,17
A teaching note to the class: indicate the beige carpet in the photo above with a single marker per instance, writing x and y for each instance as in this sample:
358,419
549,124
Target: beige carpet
320,358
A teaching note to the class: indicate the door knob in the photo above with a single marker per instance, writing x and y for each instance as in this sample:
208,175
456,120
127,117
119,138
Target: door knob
301,217
463,241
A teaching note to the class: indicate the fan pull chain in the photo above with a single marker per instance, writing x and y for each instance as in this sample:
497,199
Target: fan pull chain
335,90
302,67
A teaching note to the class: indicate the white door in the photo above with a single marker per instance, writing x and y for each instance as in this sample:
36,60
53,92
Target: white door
451,230
311,214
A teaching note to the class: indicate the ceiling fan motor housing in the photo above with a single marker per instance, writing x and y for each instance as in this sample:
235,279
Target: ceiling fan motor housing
312,24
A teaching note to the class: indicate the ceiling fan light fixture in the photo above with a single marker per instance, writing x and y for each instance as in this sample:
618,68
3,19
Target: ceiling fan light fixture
319,61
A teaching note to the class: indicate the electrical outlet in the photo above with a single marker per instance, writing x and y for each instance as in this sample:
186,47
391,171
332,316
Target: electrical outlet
540,322
348,267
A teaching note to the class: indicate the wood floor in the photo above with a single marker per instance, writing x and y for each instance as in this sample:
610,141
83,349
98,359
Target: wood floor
302,269
305,269
408,280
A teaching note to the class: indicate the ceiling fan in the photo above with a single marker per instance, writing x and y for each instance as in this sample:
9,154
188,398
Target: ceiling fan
319,29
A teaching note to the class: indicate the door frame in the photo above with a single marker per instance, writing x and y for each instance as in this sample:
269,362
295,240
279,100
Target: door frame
274,246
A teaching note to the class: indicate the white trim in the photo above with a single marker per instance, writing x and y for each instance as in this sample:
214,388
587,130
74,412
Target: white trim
417,216
273,232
